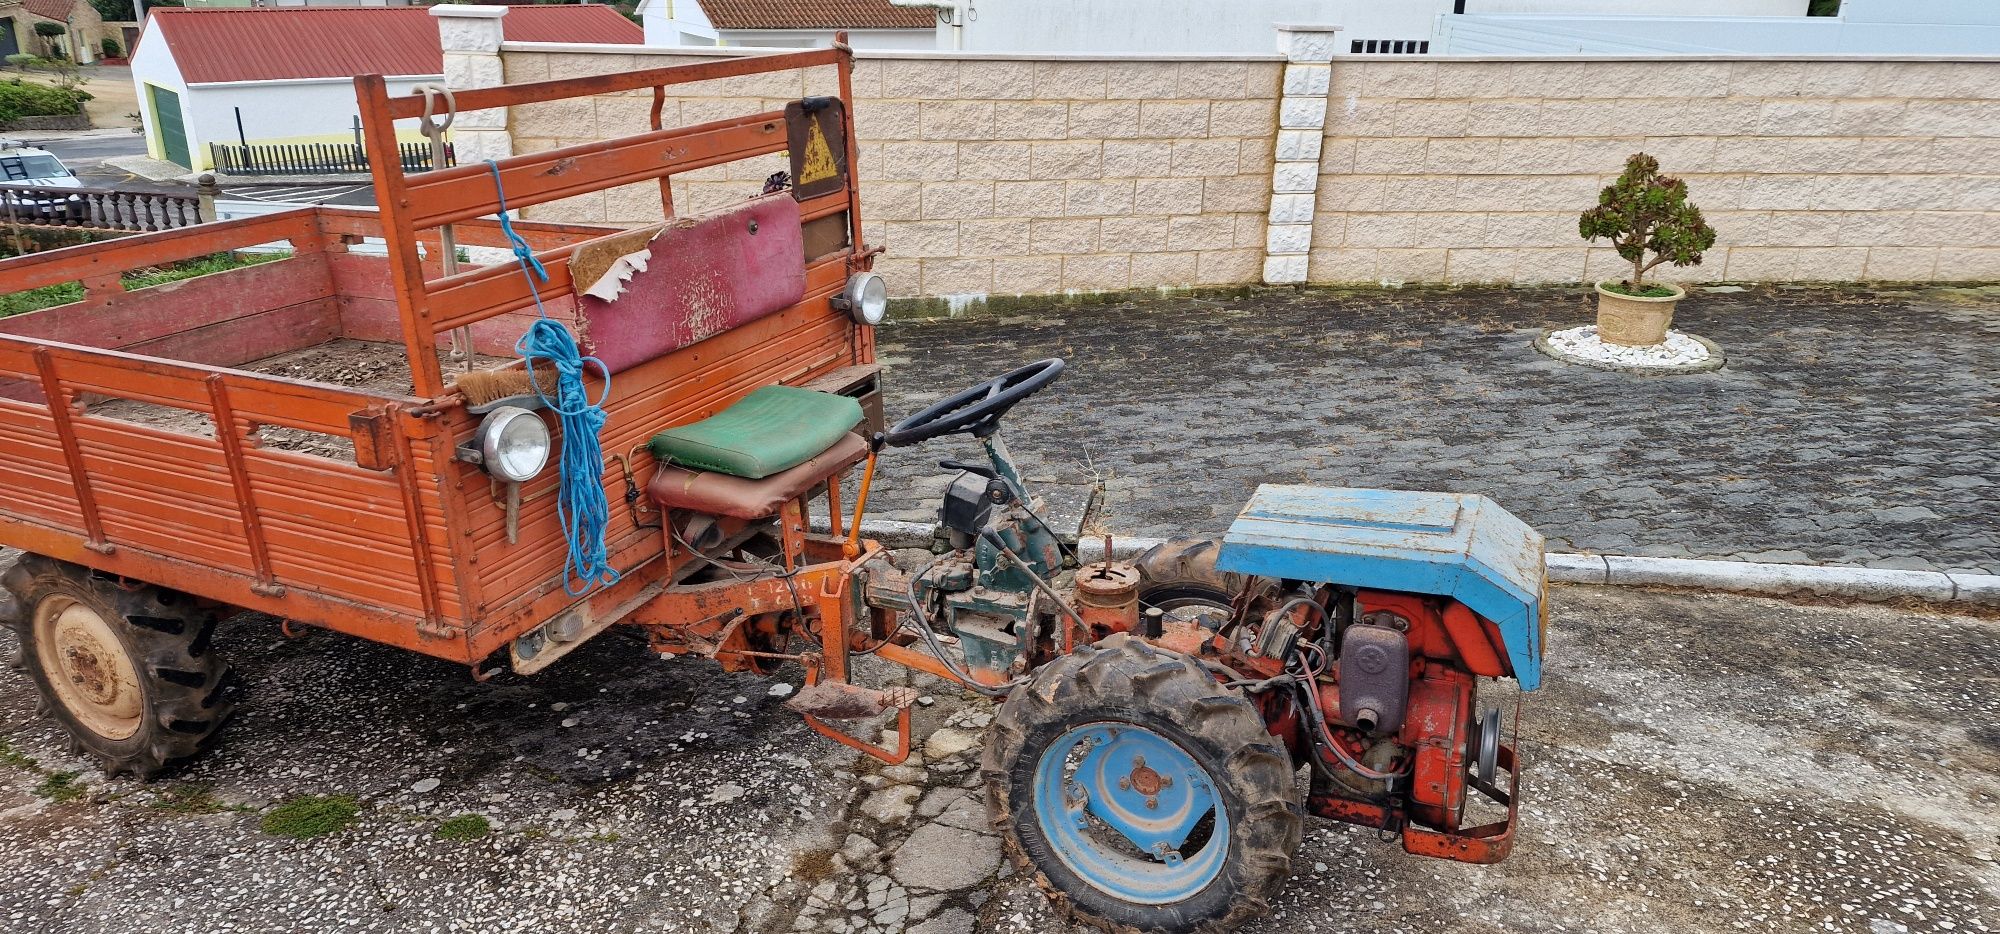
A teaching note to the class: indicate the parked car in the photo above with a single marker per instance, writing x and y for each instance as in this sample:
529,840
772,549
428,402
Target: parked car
30,167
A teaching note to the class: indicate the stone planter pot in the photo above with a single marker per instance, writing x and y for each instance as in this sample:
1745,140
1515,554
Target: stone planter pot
1634,321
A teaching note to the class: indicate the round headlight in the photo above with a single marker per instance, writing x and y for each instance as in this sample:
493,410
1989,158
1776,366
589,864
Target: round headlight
513,443
867,298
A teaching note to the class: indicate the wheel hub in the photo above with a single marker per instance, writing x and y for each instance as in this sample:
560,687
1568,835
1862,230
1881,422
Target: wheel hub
88,668
1131,812
1144,780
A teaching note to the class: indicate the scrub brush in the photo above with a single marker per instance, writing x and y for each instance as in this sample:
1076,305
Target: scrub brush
485,389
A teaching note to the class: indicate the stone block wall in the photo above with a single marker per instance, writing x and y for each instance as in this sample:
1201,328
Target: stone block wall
1475,171
1044,174
989,175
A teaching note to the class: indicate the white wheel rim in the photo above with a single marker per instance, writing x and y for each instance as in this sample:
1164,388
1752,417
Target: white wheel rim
87,667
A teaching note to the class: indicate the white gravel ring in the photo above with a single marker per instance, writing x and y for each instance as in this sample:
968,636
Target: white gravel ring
1680,353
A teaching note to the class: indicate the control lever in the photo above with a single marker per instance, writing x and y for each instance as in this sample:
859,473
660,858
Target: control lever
986,472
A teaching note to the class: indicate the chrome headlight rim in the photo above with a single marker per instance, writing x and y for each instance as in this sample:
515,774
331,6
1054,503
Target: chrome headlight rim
866,298
493,440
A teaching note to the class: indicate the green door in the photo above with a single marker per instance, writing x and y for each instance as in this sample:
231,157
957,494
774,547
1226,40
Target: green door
167,120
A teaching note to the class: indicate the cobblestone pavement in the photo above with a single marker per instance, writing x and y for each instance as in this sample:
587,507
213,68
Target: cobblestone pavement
1698,765
1850,426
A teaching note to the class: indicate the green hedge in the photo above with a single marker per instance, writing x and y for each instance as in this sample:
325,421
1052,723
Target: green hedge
24,99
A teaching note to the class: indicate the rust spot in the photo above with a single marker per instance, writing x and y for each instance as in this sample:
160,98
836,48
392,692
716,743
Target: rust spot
560,166
89,672
1146,781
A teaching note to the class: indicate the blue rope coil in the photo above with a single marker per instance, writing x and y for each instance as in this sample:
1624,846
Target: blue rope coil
581,506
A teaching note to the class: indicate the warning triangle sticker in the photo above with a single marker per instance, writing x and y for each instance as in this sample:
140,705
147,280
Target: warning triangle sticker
818,163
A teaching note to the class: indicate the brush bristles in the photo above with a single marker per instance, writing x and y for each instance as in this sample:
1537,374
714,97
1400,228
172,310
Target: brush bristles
483,386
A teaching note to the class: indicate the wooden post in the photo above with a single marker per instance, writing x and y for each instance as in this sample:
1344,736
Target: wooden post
405,266
79,474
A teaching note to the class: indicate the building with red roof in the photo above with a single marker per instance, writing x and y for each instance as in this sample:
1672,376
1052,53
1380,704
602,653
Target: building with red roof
83,29
285,76
869,24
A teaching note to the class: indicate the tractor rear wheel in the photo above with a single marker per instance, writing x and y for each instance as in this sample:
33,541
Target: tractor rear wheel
1179,576
128,671
1141,794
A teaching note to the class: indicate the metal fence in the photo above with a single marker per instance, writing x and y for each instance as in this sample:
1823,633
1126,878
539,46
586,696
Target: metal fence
97,208
315,158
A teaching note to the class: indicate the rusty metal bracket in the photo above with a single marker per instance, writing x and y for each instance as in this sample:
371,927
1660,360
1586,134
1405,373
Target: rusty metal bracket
901,700
1485,844
375,438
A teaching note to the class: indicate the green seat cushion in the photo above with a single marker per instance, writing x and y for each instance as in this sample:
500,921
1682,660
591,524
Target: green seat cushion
773,429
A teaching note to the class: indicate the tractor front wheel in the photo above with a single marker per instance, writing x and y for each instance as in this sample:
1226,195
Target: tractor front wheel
126,670
1140,793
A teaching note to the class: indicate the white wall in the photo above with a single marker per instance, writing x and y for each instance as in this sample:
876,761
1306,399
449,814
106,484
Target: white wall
1422,20
675,22
1975,31
1645,7
818,38
1243,27
1166,27
318,110
153,63
683,23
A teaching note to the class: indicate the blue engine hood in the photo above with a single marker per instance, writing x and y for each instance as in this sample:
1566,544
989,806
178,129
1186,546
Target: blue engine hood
1456,545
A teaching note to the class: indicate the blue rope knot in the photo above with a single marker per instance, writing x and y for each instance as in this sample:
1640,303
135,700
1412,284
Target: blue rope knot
581,506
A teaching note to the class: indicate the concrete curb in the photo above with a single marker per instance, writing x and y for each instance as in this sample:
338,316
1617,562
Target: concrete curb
1875,584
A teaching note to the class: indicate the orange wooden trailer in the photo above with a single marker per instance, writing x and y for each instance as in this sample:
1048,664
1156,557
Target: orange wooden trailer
399,541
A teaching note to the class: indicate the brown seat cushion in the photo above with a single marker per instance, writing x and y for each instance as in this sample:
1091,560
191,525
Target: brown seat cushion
723,495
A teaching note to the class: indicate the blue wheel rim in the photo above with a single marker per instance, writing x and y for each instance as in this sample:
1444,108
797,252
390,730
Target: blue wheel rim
1092,790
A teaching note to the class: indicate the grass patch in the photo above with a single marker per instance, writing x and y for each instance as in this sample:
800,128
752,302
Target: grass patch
63,293
309,816
463,827
48,296
813,865
199,266
189,799
16,759
60,787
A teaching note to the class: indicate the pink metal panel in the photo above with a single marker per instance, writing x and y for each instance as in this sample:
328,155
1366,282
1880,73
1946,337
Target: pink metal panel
707,274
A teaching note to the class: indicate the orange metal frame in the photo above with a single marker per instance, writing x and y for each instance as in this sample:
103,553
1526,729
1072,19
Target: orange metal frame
404,544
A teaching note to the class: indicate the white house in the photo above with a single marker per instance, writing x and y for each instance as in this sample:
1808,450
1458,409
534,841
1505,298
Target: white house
263,77
870,24
1243,27
1882,27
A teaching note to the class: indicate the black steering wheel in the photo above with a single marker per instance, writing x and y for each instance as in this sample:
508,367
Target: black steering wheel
975,411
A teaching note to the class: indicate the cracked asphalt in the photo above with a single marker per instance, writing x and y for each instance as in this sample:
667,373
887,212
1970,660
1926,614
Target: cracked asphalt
1697,763
1850,426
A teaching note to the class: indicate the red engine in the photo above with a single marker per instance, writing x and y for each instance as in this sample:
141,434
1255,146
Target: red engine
1386,708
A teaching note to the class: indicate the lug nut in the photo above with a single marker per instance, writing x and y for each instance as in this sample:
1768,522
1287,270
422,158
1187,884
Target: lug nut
1124,784
1152,803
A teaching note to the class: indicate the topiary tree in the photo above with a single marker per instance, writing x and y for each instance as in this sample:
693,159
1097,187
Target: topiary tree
1644,212
49,32
110,47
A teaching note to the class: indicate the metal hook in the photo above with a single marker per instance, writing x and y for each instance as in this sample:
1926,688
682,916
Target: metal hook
431,93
